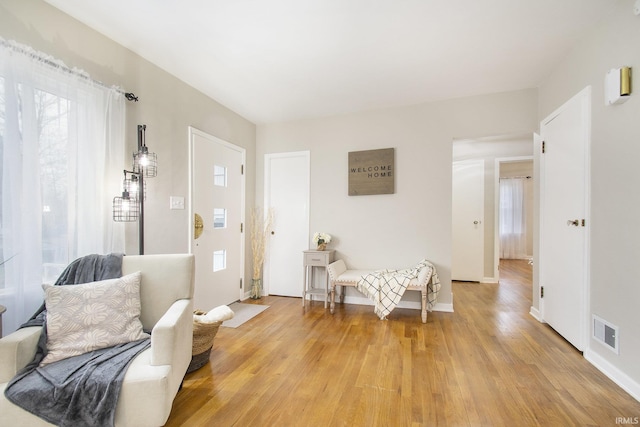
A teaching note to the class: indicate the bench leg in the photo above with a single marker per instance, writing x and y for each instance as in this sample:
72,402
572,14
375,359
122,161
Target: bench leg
424,306
332,305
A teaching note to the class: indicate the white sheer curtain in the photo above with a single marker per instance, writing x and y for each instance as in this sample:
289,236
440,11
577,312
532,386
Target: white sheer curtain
62,150
513,237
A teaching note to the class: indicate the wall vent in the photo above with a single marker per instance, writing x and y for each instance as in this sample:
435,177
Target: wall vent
606,333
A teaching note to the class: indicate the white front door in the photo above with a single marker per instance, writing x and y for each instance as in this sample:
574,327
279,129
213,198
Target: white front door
217,197
287,194
467,261
563,218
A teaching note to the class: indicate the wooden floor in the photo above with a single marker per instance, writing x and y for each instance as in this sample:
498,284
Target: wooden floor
488,364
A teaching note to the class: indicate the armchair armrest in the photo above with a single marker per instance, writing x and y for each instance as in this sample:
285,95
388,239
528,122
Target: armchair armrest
17,350
172,336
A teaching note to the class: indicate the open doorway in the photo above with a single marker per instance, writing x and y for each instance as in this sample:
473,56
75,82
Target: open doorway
488,149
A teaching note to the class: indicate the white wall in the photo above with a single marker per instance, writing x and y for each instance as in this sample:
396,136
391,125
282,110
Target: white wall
615,198
167,106
395,230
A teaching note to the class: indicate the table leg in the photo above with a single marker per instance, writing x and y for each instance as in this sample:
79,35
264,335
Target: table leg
304,284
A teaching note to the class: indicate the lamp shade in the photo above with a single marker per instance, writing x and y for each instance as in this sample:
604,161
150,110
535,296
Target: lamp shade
132,186
145,163
125,208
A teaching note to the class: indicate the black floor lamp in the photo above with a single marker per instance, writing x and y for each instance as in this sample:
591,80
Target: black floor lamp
130,206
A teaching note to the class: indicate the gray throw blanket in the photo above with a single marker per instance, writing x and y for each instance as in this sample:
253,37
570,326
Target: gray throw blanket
81,390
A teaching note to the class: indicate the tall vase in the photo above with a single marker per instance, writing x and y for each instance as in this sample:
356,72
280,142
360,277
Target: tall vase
256,289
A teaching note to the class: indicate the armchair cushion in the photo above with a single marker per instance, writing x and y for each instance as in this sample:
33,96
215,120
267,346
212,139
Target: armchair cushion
86,317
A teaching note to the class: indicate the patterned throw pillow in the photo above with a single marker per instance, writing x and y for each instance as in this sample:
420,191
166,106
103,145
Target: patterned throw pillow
90,316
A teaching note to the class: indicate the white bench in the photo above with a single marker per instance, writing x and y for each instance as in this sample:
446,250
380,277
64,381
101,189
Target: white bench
340,276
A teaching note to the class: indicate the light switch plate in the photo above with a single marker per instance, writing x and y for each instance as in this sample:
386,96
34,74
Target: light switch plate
176,202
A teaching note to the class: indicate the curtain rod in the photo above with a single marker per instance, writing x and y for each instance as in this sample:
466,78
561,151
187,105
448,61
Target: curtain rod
515,177
56,63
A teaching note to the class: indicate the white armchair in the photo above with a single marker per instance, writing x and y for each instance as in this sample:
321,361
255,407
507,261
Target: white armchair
154,376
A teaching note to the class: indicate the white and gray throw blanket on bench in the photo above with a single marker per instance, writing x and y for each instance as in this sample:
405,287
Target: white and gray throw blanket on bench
386,287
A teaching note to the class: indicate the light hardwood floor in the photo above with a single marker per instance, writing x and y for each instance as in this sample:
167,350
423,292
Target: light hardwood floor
488,364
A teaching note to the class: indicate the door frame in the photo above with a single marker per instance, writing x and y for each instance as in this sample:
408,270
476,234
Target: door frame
496,207
585,99
243,152
306,154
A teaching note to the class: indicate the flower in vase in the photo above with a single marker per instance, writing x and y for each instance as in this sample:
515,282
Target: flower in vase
321,240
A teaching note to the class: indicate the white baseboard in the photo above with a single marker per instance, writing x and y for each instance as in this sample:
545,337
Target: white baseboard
616,375
603,365
359,300
362,300
349,299
489,280
536,314
448,308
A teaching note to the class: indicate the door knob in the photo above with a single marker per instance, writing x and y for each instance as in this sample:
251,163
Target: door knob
198,226
573,222
476,222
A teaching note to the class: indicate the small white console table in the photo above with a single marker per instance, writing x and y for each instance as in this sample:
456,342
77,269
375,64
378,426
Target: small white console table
311,260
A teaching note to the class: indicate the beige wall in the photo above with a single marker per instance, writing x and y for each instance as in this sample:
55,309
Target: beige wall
615,199
167,106
395,230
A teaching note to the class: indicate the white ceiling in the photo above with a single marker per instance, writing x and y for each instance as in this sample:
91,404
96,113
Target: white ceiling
278,60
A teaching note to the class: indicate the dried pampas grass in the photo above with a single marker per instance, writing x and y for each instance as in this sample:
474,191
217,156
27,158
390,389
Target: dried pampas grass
260,226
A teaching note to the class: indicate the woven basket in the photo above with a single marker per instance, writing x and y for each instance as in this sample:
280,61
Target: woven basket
203,335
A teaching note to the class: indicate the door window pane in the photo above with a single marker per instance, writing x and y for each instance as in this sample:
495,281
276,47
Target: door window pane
219,218
219,176
219,260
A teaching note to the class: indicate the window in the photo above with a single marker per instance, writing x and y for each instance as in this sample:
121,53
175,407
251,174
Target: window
57,180
219,260
219,218
219,176
512,224
52,114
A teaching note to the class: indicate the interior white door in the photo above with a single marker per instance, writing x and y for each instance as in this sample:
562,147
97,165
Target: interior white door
287,194
217,196
467,263
563,204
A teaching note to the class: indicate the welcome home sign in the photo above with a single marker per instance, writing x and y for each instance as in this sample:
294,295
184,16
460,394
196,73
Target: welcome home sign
371,172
